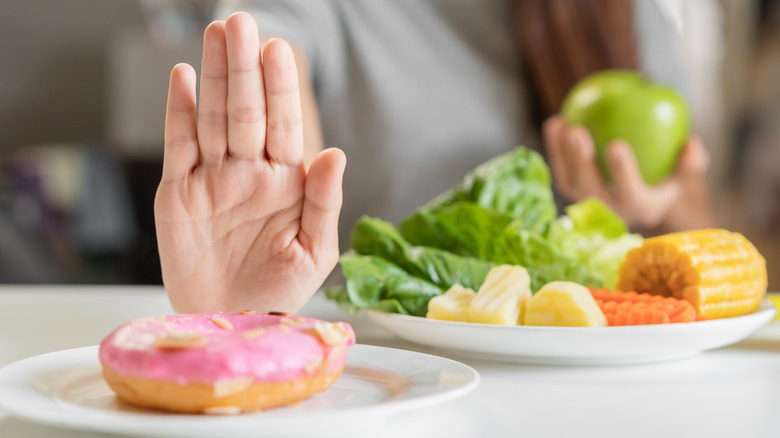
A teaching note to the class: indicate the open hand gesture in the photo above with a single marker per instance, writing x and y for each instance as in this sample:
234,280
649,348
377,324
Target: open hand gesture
241,223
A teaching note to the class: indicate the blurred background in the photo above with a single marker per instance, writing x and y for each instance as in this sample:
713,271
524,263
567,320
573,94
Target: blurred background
83,85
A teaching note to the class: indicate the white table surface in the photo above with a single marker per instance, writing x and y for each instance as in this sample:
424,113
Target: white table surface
730,392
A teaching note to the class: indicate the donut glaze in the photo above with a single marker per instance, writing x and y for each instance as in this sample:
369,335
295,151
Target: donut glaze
224,352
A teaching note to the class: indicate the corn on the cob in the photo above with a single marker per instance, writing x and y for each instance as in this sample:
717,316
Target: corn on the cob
719,272
452,305
501,298
563,303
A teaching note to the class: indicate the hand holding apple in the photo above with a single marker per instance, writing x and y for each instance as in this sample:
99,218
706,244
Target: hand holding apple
622,105
572,158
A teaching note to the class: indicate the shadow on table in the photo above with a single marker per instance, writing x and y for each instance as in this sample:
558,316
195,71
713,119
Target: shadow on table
763,345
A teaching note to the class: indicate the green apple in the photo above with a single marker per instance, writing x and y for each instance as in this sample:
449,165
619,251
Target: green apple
618,104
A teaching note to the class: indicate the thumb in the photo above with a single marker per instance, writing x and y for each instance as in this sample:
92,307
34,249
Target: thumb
694,160
322,205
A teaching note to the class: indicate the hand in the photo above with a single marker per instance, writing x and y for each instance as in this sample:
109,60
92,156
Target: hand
576,176
240,222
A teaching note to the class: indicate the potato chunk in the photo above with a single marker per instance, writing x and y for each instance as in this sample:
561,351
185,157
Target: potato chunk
501,298
452,305
564,303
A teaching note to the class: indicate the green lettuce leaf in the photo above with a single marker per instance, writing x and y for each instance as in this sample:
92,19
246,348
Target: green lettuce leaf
591,216
463,228
376,237
596,237
467,229
375,283
516,183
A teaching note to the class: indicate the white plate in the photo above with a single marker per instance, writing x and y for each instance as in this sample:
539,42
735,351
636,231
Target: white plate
66,389
575,345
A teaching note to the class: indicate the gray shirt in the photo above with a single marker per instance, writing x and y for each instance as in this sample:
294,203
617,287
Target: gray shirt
418,92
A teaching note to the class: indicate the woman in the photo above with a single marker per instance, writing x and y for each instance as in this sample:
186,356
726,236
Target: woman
416,94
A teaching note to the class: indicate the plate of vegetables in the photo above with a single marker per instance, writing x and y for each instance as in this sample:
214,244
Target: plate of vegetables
565,323
490,269
632,344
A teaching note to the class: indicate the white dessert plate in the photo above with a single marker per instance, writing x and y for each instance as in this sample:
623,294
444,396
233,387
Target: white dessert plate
575,345
66,389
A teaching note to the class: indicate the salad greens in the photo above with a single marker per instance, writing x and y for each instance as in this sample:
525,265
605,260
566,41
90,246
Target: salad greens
504,212
516,183
594,236
385,272
442,268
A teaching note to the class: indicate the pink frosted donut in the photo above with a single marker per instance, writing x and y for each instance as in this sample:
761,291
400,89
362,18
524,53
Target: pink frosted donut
223,363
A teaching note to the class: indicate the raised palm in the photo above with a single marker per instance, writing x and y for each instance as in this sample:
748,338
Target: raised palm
240,222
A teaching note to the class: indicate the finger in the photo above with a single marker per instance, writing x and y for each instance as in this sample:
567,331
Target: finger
553,130
181,138
584,174
245,98
284,142
626,176
322,204
694,160
638,202
212,111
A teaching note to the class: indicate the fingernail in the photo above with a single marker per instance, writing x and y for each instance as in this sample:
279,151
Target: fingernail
282,51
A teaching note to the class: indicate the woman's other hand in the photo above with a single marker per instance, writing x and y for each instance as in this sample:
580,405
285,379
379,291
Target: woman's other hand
240,222
679,202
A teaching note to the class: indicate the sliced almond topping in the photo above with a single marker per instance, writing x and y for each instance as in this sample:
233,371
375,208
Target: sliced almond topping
248,312
222,410
334,354
313,365
253,333
296,320
226,387
147,321
180,341
162,321
221,322
330,333
284,329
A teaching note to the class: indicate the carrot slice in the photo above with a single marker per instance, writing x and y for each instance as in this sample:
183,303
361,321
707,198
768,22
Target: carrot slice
631,308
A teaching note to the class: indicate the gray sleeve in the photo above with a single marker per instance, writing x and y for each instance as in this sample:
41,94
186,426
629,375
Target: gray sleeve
310,25
660,47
